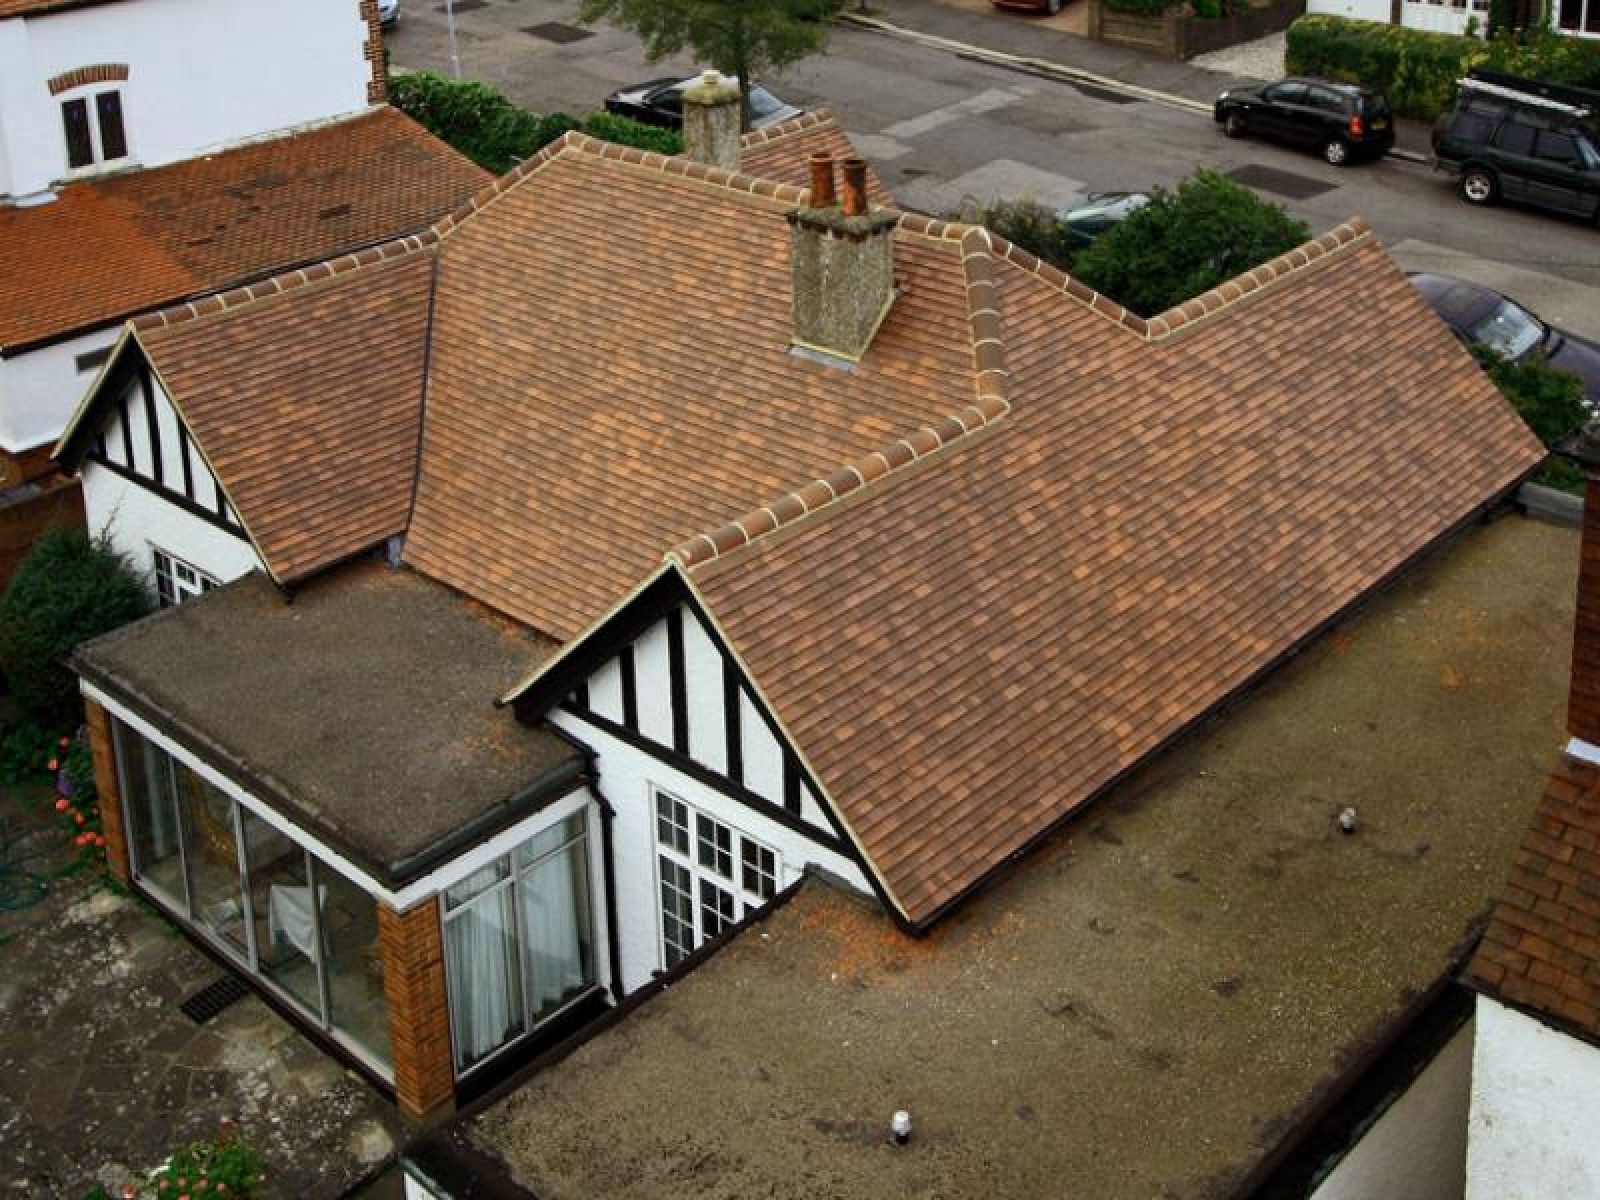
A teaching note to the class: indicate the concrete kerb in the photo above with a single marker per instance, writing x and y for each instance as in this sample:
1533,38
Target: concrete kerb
1052,70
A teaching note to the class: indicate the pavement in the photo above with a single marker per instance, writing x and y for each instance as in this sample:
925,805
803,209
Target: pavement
104,1074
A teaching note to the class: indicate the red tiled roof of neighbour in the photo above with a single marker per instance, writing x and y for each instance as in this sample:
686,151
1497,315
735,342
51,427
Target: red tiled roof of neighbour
1156,521
779,152
317,458
111,247
612,363
1541,951
34,8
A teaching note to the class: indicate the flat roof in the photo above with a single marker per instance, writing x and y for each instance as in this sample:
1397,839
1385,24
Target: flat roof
1157,1001
361,707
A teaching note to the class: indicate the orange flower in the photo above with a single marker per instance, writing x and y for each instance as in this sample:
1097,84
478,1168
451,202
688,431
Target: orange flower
78,817
61,804
52,764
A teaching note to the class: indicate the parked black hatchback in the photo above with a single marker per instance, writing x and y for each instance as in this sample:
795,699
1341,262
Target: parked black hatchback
1518,139
1341,121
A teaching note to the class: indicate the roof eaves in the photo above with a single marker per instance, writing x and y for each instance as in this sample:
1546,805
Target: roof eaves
236,298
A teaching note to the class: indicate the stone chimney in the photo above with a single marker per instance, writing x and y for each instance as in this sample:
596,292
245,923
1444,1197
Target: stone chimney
711,121
843,262
1583,696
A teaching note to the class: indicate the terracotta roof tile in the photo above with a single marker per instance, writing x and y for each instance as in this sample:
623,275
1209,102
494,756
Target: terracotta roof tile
780,152
1151,525
1541,950
612,367
307,402
123,244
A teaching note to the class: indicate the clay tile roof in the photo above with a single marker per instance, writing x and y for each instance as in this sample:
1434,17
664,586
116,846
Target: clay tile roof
977,643
1541,951
34,8
111,247
305,396
612,373
780,151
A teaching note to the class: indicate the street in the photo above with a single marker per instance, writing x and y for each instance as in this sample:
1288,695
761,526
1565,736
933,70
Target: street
941,128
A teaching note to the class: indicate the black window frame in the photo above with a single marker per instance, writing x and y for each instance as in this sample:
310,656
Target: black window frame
79,137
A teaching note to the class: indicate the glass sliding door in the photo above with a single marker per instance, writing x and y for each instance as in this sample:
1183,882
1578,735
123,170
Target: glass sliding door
357,1007
216,883
155,834
288,950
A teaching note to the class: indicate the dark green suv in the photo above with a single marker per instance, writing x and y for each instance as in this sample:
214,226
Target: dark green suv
1516,139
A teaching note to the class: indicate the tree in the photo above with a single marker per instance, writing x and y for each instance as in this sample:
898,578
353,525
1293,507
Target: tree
1186,242
737,37
1552,403
68,588
1024,223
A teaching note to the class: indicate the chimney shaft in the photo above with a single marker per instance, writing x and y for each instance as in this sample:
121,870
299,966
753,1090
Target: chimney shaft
711,132
822,180
843,263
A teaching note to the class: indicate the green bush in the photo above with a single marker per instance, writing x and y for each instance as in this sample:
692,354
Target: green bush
26,748
68,588
1551,401
1418,70
1024,223
494,133
1186,242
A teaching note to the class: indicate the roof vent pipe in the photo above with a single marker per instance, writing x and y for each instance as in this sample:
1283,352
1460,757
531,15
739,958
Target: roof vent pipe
821,195
900,1128
855,187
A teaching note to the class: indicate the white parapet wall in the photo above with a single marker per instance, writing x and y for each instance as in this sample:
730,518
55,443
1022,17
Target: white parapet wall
1418,1148
1534,1129
40,388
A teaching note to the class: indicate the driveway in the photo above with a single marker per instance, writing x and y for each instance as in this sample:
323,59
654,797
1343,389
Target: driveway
103,1072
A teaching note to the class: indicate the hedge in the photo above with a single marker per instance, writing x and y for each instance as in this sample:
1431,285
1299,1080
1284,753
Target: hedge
480,122
1418,70
1200,8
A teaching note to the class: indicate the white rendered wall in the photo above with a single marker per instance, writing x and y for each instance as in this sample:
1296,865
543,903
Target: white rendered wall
628,775
1534,1132
202,74
40,389
140,521
1364,10
1418,1148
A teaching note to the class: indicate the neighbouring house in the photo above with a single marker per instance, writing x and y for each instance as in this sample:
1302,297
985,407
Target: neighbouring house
1579,18
1536,1046
156,151
654,536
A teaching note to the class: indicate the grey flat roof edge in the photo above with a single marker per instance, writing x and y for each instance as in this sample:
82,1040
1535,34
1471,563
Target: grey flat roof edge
548,787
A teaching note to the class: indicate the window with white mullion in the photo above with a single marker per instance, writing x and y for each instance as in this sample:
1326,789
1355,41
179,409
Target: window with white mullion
711,875
177,581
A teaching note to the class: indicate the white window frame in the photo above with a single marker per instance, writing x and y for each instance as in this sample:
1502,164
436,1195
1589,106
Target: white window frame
90,95
1584,9
176,579
513,882
706,881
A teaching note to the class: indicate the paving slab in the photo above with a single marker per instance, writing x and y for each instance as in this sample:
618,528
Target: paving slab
104,1076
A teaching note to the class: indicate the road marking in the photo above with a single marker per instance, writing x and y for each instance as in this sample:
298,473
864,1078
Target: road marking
981,102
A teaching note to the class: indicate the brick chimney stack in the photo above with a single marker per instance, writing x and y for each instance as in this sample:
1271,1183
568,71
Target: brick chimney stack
843,263
711,132
1583,698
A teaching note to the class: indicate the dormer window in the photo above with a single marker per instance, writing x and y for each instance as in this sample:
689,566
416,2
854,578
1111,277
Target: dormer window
93,129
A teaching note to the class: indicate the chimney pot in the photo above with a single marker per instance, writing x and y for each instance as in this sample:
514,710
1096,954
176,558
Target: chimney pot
822,194
855,187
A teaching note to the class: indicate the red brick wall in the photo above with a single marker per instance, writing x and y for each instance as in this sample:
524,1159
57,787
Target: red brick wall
372,49
419,1018
1583,705
98,73
105,783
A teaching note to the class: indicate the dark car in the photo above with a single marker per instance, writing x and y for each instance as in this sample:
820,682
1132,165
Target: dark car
660,102
1340,121
1481,316
1520,140
1049,7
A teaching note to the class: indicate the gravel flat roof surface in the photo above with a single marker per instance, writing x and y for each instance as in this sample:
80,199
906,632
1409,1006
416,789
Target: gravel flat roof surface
1153,1002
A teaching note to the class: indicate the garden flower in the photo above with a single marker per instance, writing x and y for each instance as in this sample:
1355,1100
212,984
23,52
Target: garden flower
52,764
61,804
78,817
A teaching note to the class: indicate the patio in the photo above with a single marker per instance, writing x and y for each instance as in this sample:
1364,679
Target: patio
105,1074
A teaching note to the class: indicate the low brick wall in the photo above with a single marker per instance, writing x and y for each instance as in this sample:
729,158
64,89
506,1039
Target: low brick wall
27,512
1176,34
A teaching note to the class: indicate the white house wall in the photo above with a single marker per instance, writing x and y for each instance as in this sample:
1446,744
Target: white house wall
1533,1132
1363,10
629,772
39,389
202,75
1418,1148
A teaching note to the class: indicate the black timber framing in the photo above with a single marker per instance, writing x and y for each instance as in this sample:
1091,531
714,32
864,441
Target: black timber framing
153,423
205,514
